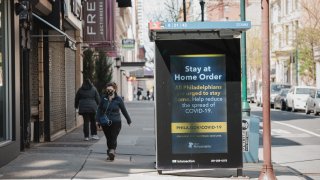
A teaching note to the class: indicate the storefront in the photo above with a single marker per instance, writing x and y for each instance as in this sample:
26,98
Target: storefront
9,83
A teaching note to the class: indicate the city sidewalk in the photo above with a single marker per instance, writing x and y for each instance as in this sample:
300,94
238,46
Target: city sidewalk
69,157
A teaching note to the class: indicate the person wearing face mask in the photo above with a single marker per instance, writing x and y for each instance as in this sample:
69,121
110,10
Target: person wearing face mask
111,104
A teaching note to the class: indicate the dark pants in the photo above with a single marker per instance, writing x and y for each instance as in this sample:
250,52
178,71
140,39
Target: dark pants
89,118
111,133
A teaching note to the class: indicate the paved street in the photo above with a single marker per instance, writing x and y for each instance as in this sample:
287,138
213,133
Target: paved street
72,158
295,140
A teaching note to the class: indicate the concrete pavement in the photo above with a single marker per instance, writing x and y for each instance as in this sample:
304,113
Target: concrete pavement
69,157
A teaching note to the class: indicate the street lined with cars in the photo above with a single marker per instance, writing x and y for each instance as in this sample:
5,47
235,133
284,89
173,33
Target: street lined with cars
303,98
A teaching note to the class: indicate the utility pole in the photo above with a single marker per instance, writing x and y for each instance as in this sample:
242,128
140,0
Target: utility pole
267,169
245,104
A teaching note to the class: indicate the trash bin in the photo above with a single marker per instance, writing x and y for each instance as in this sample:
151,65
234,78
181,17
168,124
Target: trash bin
250,139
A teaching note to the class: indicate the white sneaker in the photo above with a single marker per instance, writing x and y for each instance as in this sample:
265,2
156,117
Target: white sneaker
95,137
86,139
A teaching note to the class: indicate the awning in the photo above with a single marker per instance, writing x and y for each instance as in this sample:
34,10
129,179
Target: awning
53,27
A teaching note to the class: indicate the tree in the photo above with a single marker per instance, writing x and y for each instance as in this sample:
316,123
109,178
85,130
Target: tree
88,65
173,9
254,56
307,64
307,38
170,11
103,71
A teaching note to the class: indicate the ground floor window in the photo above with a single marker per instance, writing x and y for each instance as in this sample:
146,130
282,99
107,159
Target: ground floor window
5,123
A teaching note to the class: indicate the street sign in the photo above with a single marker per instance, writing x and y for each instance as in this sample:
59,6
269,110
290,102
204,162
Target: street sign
196,30
128,43
214,26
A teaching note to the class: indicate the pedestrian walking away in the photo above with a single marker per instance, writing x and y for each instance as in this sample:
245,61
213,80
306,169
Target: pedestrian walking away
138,94
148,95
87,101
111,104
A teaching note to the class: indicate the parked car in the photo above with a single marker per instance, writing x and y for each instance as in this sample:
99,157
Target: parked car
259,98
280,101
313,102
297,97
250,98
274,90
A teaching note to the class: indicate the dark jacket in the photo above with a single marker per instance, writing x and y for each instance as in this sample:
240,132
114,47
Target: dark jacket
87,98
112,109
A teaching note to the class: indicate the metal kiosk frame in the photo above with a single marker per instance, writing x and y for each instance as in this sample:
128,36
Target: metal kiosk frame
192,61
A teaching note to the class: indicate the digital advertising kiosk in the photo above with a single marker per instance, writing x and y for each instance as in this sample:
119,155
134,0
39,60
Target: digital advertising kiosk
198,94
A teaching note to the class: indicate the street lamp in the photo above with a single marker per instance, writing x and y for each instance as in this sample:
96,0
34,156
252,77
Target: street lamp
245,104
202,9
118,62
19,8
184,11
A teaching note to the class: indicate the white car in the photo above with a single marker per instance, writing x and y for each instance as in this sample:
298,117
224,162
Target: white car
298,96
313,103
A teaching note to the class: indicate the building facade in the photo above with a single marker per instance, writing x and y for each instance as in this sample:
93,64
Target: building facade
223,10
285,21
40,72
129,29
288,20
10,85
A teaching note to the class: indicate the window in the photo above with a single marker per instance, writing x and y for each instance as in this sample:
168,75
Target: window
284,92
279,40
303,90
275,14
287,7
296,24
296,4
296,28
287,34
5,124
279,12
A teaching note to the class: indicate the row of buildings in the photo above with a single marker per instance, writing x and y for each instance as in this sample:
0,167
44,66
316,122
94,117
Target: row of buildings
41,54
42,44
288,18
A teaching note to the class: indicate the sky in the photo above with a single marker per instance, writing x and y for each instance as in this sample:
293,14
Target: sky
150,6
151,9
